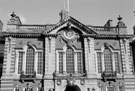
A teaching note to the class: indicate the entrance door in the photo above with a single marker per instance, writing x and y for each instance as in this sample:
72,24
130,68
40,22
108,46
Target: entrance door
72,88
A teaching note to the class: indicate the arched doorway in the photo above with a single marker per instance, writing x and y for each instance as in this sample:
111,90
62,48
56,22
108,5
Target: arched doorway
72,88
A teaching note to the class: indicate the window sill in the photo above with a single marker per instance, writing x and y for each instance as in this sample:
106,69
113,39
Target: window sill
66,75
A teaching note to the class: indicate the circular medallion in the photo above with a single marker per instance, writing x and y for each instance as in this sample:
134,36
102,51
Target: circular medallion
69,34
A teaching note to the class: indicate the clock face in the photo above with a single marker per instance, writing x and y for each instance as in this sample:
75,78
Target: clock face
69,34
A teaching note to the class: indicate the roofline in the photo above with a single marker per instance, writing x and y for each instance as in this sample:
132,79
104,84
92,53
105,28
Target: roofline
29,35
96,36
115,36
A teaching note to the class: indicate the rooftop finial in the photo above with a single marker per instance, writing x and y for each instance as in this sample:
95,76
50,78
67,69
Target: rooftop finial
13,14
119,18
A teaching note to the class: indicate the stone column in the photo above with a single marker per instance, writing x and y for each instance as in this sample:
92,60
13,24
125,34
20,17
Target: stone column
86,55
9,52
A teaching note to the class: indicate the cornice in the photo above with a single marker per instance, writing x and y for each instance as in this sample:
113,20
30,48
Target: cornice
25,35
8,34
103,36
96,36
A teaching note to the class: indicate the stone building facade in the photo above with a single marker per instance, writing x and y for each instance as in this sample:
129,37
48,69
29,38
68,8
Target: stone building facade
67,56
1,48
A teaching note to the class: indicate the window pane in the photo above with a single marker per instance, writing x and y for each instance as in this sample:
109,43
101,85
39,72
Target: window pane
70,61
28,89
79,62
20,60
60,62
40,62
17,89
30,61
117,62
111,88
120,88
108,61
99,62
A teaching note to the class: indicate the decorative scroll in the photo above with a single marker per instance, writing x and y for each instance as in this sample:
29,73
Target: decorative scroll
71,81
27,77
109,76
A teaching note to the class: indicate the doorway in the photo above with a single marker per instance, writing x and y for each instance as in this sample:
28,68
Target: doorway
72,88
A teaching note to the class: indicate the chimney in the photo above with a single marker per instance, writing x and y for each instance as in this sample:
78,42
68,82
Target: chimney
108,23
63,15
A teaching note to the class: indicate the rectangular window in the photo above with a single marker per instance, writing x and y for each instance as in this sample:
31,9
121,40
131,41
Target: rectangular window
30,60
40,89
120,88
117,67
110,88
108,61
40,63
20,60
99,61
16,89
70,61
28,89
60,62
79,62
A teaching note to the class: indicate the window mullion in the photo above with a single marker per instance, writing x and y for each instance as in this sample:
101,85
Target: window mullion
75,62
113,61
102,61
35,61
24,62
57,64
64,63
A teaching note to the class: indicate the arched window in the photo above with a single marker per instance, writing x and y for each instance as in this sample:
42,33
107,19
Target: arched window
17,88
70,60
30,60
28,88
108,61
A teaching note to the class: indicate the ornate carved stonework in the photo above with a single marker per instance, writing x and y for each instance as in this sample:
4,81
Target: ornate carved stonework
71,81
69,37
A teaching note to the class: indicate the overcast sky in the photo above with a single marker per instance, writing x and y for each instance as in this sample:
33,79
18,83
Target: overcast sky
90,12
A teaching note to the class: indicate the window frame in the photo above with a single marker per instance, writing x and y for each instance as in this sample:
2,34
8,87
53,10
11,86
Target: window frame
110,86
113,59
16,88
30,88
24,50
64,60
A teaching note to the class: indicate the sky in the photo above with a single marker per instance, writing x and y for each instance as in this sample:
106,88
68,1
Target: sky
89,12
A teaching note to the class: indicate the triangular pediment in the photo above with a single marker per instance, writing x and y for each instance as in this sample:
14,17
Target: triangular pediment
75,23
